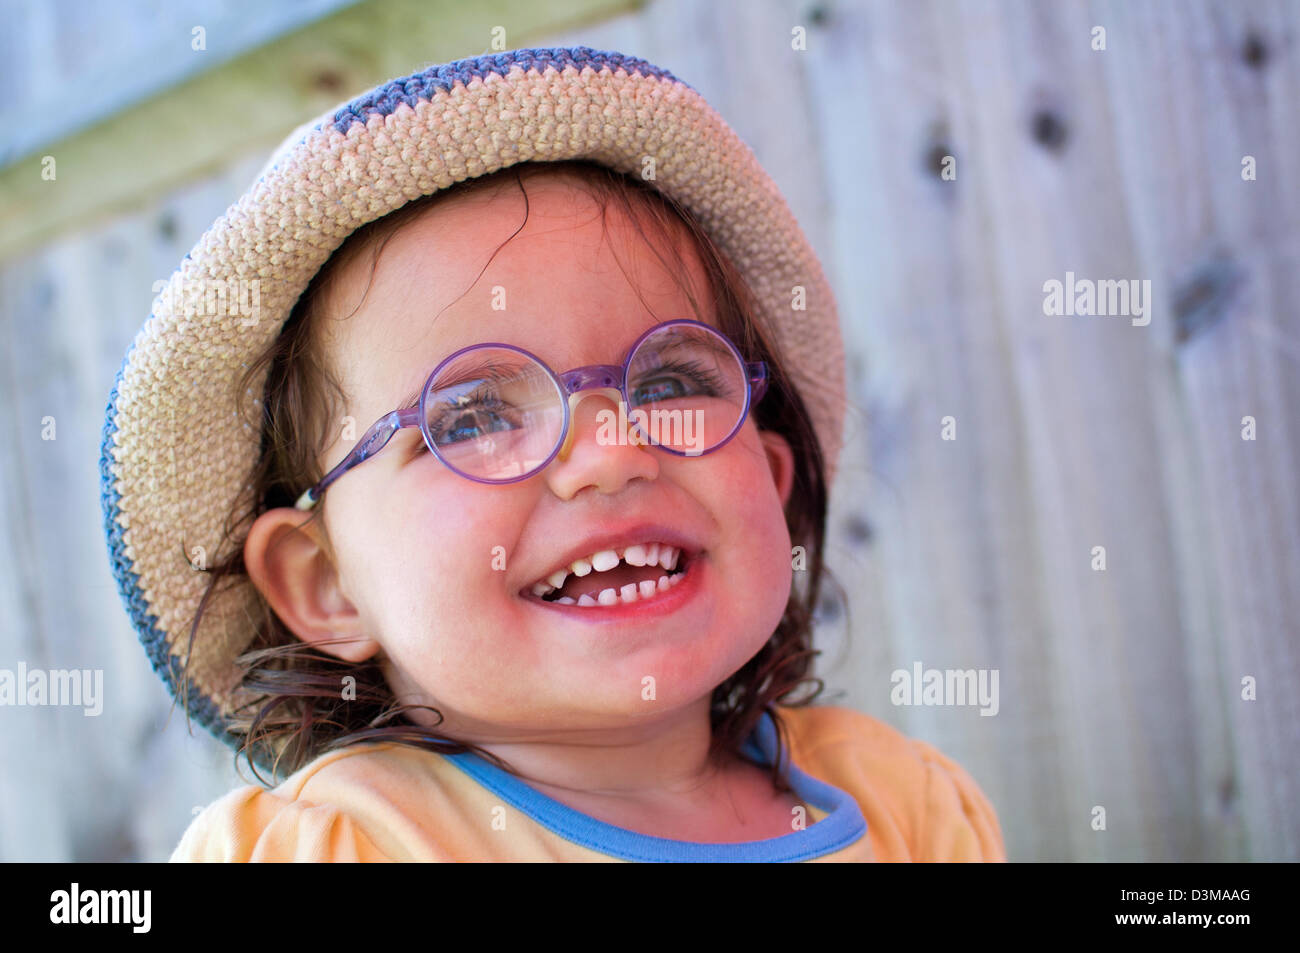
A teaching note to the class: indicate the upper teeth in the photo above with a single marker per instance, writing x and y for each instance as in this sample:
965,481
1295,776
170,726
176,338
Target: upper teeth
639,554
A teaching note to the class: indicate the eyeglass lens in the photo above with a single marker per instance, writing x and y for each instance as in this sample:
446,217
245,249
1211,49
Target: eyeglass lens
495,414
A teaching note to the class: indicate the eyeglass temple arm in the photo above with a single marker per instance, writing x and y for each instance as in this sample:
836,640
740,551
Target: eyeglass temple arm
757,371
374,440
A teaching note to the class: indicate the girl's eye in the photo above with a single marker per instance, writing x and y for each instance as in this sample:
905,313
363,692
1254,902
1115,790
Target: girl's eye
452,425
673,381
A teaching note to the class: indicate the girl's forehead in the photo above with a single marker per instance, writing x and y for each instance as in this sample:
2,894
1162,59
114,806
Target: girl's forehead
574,289
476,257
562,284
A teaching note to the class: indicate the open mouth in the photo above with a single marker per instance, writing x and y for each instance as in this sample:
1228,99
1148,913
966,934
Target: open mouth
611,577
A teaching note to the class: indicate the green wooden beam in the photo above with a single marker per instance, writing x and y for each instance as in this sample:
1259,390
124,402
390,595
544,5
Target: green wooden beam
253,101
140,58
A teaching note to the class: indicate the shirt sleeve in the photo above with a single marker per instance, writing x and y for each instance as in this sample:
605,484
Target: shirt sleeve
250,825
960,823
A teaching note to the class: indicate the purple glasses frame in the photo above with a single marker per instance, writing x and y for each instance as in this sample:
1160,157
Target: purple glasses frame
570,384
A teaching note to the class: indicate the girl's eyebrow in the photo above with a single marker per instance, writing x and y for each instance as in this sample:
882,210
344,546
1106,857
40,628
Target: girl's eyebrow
486,369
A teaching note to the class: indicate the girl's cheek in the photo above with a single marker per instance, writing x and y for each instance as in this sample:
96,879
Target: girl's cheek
765,521
758,496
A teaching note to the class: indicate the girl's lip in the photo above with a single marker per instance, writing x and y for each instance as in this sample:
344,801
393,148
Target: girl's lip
619,537
660,604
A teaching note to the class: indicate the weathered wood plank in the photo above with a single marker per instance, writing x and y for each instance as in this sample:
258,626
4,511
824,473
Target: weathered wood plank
68,313
1066,434
71,65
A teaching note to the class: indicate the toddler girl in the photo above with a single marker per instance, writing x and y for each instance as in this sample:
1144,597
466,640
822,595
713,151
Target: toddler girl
500,476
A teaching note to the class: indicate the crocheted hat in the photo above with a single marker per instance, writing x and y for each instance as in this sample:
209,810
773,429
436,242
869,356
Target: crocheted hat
176,454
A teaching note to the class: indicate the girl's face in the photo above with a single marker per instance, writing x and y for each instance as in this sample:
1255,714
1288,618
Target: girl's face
436,571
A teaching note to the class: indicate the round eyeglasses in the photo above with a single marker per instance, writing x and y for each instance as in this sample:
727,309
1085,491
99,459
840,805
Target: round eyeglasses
495,413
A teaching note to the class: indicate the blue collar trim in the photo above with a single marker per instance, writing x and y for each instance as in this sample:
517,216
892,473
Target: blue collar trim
843,825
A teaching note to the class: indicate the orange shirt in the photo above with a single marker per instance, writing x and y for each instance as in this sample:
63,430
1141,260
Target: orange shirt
874,795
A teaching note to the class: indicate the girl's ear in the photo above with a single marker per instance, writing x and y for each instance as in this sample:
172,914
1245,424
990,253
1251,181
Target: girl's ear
781,459
287,561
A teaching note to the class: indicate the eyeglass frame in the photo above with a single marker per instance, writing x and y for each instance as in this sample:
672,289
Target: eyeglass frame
571,383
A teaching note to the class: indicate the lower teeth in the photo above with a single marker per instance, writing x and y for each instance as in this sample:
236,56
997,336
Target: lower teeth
632,592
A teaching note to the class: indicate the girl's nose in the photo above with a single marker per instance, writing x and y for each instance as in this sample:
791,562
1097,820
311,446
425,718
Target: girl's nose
608,466
574,400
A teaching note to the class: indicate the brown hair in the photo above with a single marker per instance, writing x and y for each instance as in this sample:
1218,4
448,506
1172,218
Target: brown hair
301,713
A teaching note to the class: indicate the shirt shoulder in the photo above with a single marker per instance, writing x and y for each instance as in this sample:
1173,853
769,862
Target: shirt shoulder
296,821
919,804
